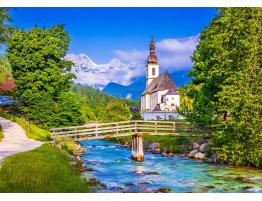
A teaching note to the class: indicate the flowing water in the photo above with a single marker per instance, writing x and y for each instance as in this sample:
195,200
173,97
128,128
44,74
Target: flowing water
112,166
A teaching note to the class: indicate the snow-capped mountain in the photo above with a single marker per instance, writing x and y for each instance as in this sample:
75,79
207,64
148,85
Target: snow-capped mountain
99,75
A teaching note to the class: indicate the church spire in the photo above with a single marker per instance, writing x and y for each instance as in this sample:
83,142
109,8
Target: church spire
152,58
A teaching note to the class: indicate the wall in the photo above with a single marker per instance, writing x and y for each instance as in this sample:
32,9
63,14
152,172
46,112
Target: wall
161,115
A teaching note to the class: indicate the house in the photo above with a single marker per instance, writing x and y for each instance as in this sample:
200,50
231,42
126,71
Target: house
161,98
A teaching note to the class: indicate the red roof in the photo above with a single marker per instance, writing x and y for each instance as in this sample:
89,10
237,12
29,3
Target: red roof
8,85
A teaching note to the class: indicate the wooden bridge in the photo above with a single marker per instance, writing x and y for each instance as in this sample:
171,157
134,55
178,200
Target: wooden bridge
136,129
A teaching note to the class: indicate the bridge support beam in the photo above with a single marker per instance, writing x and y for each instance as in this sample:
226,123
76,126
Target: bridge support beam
137,152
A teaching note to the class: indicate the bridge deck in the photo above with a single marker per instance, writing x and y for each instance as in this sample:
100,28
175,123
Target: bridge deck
94,131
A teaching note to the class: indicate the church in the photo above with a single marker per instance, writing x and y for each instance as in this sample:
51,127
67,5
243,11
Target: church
161,98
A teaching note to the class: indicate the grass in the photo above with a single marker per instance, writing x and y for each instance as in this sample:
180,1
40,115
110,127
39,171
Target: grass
1,133
32,131
45,169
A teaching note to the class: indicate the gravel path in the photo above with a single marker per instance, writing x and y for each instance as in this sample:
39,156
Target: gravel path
15,139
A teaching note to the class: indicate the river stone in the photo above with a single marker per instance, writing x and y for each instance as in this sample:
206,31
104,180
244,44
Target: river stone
199,155
195,145
192,153
212,159
165,154
203,147
156,151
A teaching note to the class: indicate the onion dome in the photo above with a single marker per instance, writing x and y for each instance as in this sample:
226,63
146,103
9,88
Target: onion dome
152,58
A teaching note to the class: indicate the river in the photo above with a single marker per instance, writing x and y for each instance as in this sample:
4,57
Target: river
112,166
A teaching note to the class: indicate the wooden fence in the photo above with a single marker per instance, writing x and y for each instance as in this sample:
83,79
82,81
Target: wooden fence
126,128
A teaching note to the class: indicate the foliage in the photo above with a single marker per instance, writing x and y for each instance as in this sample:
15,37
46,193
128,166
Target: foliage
43,77
50,171
5,69
103,107
36,57
5,29
136,116
116,111
227,86
1,133
186,103
32,131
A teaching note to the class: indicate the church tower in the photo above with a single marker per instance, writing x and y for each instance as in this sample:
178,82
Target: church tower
152,67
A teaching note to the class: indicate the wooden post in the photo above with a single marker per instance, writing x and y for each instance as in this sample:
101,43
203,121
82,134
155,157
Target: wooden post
137,152
96,130
116,128
155,127
174,127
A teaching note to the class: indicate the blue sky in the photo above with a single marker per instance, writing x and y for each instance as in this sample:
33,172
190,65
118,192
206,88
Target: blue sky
99,32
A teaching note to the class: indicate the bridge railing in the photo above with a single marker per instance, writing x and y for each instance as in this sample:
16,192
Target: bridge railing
123,128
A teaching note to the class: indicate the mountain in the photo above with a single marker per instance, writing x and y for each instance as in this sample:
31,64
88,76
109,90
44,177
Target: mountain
98,75
134,90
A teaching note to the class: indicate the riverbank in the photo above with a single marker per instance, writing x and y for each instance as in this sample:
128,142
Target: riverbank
53,168
169,146
43,170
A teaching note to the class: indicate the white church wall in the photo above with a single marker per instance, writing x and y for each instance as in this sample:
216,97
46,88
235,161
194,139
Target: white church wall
161,115
150,75
172,100
147,101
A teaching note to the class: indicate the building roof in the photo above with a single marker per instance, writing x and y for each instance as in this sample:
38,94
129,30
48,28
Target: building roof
162,82
172,92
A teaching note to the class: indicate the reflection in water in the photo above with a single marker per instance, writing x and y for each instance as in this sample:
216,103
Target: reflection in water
114,168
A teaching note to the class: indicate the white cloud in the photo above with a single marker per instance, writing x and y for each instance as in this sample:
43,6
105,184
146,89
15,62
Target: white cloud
173,53
131,56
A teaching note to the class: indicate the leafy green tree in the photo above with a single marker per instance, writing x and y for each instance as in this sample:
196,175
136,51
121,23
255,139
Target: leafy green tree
116,111
36,57
226,83
68,111
5,28
43,77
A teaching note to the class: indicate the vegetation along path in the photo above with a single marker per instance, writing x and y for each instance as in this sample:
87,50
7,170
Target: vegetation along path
15,139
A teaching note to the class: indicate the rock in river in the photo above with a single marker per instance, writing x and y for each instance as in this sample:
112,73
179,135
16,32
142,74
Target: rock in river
192,153
199,155
212,159
195,145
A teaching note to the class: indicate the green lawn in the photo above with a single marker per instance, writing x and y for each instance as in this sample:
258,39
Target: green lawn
45,169
32,131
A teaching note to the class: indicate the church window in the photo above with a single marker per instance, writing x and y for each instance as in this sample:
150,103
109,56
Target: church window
172,104
153,71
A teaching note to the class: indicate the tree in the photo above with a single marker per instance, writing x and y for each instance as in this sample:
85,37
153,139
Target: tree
36,57
43,77
5,69
116,111
68,111
5,29
226,83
